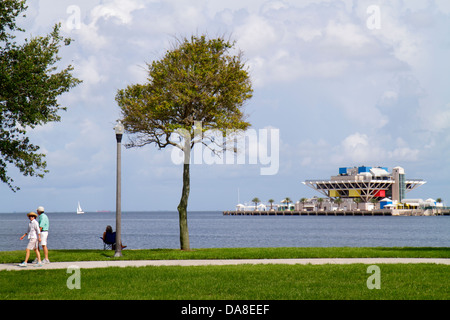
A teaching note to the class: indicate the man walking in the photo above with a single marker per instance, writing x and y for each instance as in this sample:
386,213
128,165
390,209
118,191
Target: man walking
43,225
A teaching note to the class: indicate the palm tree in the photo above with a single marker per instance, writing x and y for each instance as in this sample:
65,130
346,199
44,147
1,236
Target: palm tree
357,201
320,201
256,201
287,200
271,201
374,201
303,201
338,201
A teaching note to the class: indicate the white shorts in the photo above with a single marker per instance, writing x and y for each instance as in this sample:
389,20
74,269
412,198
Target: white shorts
44,235
32,244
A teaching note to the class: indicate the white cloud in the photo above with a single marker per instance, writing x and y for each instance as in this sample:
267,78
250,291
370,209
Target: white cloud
360,148
84,22
404,155
286,42
256,34
89,36
348,35
90,71
119,9
437,120
308,33
389,98
357,148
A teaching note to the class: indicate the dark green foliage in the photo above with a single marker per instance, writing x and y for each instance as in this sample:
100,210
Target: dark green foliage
29,87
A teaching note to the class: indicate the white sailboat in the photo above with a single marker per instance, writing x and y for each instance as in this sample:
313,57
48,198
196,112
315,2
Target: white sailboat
79,210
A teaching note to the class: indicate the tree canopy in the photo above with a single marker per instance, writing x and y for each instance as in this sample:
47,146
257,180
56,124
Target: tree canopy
29,87
197,81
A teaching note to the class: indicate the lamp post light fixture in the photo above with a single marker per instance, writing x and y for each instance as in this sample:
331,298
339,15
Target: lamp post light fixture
119,129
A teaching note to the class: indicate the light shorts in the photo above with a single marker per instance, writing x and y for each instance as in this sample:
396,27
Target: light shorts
33,244
44,235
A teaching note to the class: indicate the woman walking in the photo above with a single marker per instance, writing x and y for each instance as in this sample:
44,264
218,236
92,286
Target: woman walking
34,236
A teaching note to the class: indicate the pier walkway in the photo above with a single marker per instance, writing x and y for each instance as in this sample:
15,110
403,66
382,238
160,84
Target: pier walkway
310,213
385,212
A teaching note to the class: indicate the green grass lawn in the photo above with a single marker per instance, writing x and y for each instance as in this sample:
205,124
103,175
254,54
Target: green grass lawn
241,282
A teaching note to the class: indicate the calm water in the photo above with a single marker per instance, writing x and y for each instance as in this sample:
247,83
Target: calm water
146,230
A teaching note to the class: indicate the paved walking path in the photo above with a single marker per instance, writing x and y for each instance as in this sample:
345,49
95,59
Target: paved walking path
142,263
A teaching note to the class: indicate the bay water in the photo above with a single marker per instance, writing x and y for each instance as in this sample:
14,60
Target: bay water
151,230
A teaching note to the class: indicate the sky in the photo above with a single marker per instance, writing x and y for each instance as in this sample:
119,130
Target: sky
344,83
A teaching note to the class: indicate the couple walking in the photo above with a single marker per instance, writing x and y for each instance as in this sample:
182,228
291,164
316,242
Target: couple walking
37,233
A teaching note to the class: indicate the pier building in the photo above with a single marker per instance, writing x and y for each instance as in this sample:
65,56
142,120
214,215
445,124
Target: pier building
355,191
366,184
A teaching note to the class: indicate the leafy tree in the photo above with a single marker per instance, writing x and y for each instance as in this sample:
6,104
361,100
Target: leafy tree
29,87
196,86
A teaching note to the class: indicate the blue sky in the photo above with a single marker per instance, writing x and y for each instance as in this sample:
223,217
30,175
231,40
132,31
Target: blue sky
342,88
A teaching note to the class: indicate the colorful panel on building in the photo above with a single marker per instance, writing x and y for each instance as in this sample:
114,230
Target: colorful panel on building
334,193
354,193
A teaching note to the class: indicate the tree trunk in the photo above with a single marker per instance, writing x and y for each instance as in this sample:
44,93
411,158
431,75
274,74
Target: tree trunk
182,207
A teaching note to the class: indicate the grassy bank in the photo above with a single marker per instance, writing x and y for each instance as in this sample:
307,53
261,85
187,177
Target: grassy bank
241,282
235,253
